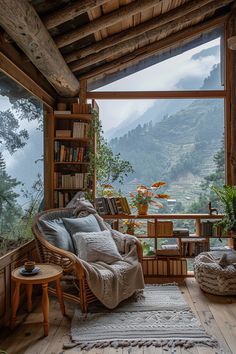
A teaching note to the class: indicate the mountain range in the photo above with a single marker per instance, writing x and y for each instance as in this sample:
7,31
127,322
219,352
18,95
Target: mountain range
178,147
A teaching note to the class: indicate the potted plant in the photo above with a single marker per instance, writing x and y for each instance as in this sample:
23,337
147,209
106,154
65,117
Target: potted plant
147,195
227,195
131,225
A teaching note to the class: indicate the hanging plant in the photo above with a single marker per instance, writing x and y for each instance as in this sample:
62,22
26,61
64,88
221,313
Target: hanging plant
109,167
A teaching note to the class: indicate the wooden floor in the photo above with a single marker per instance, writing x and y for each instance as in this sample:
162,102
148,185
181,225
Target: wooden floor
217,314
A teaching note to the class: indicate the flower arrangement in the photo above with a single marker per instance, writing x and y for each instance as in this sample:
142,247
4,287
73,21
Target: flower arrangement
148,195
131,225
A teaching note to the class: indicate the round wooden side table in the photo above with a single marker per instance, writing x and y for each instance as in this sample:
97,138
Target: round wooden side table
47,274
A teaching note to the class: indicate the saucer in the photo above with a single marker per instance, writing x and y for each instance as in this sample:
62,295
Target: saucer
35,271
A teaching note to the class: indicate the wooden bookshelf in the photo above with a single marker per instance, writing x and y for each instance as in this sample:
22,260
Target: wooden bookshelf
169,262
68,157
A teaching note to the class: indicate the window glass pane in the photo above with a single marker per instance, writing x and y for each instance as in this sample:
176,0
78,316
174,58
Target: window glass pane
21,161
183,146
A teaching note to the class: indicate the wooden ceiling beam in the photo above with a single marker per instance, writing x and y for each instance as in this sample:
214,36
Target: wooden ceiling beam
105,21
137,95
69,12
136,31
152,49
27,30
24,64
146,36
18,75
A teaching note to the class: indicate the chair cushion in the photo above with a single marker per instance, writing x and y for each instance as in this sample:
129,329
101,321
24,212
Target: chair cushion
55,232
85,224
227,259
96,246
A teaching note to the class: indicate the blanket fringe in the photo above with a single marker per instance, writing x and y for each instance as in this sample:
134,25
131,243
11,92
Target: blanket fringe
165,343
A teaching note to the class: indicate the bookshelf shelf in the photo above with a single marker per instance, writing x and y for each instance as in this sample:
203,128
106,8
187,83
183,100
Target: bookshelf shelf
84,140
172,259
71,163
81,116
69,155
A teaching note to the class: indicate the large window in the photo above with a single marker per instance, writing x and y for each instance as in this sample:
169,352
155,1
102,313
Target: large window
21,162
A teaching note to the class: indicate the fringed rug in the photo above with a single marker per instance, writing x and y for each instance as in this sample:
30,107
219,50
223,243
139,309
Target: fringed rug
159,317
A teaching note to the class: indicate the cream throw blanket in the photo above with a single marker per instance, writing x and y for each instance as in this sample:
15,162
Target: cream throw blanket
112,283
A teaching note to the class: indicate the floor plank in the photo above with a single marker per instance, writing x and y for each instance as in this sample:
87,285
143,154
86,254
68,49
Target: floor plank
217,314
201,303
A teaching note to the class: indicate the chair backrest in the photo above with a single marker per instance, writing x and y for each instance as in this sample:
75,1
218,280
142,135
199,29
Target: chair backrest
44,247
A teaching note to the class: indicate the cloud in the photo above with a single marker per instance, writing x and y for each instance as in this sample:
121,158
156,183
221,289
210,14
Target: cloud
162,76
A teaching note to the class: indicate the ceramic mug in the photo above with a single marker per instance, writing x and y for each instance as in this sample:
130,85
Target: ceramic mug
29,266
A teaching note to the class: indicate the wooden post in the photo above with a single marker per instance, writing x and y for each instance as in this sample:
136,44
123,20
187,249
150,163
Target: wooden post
231,75
48,158
83,91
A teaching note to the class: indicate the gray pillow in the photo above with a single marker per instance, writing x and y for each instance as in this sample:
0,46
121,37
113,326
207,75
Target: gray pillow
96,246
55,232
86,224
227,258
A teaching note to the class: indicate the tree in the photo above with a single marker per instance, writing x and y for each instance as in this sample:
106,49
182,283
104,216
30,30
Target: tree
109,167
9,209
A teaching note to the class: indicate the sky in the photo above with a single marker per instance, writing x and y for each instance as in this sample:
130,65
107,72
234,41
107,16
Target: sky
162,76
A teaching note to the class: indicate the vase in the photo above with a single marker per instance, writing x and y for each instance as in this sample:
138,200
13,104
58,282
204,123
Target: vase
142,209
130,231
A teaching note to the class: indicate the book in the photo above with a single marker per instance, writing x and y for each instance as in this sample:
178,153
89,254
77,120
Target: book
180,232
63,133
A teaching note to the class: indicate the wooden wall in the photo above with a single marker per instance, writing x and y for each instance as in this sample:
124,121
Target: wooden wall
7,263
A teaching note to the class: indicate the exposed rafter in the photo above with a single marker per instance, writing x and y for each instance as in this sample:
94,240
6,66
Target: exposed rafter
105,21
27,30
136,31
69,12
154,48
146,36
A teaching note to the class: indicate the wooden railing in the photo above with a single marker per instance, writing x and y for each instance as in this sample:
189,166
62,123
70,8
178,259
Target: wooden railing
8,262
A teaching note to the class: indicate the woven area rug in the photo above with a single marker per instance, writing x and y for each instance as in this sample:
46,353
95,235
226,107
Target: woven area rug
159,317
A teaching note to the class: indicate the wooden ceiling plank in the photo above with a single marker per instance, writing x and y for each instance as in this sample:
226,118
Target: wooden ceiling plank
69,12
142,39
104,21
27,30
154,48
183,10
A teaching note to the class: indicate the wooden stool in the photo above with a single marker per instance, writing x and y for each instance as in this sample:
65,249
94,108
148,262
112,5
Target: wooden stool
47,273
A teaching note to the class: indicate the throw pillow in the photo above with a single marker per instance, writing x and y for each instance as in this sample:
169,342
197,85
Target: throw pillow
227,258
86,224
96,246
55,232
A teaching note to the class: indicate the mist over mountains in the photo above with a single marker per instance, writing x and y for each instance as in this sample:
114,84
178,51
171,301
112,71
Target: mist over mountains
178,144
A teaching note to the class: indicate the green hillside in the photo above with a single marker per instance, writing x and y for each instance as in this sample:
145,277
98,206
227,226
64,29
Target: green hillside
179,149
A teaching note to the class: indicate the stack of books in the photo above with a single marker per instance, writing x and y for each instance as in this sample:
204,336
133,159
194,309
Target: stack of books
80,130
192,246
180,232
209,228
164,228
154,267
178,266
112,206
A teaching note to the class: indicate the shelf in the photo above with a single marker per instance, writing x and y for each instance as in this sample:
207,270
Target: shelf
165,216
69,189
82,116
84,140
70,163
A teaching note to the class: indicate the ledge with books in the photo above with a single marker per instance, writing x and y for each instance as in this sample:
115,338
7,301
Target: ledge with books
112,206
